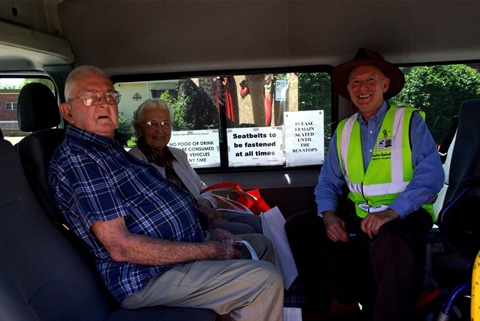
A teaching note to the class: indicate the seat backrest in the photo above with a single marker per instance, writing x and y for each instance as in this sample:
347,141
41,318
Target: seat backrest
38,113
465,161
37,108
458,220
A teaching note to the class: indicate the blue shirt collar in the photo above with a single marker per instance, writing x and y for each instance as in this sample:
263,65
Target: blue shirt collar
377,118
78,133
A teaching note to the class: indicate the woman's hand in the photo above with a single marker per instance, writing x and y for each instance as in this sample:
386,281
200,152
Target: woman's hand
207,208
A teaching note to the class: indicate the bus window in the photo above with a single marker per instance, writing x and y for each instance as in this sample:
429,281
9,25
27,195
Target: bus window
439,90
241,120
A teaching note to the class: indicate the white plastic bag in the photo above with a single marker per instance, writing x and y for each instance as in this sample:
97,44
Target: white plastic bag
273,227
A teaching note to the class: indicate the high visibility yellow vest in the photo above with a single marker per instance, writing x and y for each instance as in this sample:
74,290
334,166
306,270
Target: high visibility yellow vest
390,169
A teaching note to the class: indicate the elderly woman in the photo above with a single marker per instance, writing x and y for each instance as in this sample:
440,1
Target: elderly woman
153,127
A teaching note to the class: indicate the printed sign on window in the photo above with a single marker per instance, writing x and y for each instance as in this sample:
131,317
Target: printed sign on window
304,138
281,87
256,146
202,146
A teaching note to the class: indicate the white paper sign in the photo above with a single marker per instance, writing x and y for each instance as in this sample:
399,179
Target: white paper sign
281,87
202,146
304,138
257,146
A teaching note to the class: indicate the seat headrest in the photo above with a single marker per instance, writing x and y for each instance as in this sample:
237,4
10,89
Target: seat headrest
37,108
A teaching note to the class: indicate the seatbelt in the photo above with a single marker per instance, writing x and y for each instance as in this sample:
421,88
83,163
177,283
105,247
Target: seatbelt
443,150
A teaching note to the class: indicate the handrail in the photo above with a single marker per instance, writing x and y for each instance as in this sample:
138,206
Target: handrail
475,295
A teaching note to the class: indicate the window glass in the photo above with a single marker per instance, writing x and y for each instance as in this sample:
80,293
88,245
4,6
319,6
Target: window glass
241,120
10,105
9,91
439,90
282,119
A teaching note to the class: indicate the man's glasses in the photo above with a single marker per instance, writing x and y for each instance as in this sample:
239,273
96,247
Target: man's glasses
153,124
369,82
93,98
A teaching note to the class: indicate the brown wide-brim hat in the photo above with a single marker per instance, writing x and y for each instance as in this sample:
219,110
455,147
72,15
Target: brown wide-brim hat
367,57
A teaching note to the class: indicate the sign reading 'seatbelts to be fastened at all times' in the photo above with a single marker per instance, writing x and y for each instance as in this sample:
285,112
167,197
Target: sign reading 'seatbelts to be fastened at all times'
255,146
202,146
304,138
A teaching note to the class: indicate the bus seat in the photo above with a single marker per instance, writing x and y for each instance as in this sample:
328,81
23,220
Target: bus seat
39,114
457,225
42,275
458,221
37,108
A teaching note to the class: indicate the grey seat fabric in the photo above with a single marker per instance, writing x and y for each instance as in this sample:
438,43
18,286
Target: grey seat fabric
37,108
45,273
38,113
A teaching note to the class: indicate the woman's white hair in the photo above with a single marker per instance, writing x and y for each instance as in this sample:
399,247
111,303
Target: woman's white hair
149,104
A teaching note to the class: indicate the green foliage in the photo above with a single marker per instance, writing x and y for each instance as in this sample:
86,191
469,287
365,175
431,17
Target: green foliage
125,128
46,82
132,142
9,86
124,125
439,91
314,92
199,111
6,85
178,107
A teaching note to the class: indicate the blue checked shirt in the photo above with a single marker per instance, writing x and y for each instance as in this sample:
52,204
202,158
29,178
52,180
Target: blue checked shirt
94,179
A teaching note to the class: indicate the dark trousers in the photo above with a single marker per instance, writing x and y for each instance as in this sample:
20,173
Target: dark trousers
379,273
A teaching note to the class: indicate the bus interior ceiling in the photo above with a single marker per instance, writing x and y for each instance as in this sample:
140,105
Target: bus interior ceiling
187,36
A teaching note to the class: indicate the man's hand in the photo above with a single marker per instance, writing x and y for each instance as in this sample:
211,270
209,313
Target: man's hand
334,227
230,246
223,236
372,223
225,250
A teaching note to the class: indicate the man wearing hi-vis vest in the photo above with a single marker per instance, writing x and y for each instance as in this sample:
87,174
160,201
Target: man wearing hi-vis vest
374,199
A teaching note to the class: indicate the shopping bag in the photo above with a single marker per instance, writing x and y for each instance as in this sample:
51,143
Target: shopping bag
273,224
238,198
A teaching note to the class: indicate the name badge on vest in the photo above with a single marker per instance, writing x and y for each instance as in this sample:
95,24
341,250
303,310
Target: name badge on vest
385,143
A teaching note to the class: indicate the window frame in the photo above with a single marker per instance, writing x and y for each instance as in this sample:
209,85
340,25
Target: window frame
13,105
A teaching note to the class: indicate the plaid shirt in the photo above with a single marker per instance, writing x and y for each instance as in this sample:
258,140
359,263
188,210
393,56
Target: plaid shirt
94,179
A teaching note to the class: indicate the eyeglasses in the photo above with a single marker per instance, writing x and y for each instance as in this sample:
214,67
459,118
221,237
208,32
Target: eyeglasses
93,98
369,82
153,124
